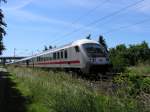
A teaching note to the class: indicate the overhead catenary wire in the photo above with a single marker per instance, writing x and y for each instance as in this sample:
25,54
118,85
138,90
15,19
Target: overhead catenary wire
127,26
90,11
85,15
101,19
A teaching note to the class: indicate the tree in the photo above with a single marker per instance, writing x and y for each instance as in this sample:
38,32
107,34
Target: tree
139,53
2,30
118,57
5,1
103,42
45,48
89,36
50,47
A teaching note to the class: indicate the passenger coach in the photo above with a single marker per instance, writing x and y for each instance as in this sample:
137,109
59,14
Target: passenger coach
84,55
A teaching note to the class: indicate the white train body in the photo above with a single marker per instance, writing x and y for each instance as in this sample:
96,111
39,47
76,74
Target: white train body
83,55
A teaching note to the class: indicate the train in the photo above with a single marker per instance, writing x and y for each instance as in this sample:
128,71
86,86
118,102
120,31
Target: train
85,56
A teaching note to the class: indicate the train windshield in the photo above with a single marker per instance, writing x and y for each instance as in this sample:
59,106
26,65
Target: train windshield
93,50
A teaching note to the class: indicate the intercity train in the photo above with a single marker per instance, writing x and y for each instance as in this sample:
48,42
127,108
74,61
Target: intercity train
85,56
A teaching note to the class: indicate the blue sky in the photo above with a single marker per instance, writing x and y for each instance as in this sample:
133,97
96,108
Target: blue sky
35,23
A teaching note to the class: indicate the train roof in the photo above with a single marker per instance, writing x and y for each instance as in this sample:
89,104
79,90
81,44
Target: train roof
78,42
83,41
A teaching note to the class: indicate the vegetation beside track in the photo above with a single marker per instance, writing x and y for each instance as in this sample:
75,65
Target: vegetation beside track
60,92
123,56
135,83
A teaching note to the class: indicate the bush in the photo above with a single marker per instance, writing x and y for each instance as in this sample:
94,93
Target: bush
146,85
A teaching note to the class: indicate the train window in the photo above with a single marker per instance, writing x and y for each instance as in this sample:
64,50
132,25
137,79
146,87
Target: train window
93,50
50,57
54,56
58,55
66,54
47,57
77,48
36,59
43,58
39,58
61,54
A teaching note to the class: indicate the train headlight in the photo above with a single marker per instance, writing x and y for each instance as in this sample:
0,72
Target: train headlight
92,60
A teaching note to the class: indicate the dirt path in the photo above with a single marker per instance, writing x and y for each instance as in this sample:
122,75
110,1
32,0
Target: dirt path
11,100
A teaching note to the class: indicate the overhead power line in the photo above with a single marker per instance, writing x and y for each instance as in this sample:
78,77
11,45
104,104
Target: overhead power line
127,26
90,11
115,13
101,19
85,15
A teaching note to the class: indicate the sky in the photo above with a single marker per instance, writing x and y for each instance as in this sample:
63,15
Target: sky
32,24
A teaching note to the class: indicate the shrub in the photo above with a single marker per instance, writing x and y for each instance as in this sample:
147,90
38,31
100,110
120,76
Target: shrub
146,85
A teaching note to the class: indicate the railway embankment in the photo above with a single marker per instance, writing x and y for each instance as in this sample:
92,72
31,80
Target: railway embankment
62,92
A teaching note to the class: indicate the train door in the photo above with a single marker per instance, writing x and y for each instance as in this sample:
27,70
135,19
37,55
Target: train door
75,57
67,58
27,63
62,59
58,64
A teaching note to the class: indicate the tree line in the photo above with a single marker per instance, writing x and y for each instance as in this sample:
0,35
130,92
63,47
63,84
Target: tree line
122,56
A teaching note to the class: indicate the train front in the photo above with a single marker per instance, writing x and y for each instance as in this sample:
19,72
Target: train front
97,59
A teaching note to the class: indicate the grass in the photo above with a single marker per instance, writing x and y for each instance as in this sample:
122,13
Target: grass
60,92
140,70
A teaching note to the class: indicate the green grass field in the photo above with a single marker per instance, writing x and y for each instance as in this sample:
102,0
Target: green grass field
60,92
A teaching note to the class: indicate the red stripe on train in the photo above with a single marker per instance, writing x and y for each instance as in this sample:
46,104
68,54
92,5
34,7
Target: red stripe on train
61,62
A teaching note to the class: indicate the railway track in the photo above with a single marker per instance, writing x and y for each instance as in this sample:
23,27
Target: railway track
105,83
